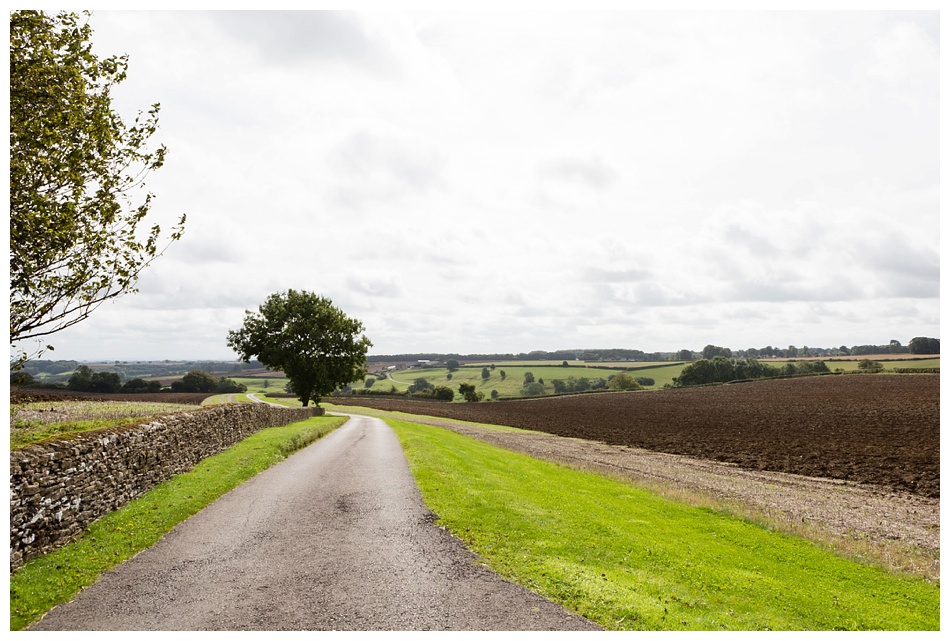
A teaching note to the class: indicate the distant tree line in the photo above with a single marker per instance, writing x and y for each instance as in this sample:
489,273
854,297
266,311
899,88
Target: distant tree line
621,382
59,371
85,379
199,381
917,345
49,367
420,388
720,369
537,355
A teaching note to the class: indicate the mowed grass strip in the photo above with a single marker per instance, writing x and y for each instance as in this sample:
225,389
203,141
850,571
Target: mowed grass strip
631,560
58,576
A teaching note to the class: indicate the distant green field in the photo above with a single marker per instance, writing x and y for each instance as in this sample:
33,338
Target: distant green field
514,376
261,385
928,362
525,363
850,364
548,371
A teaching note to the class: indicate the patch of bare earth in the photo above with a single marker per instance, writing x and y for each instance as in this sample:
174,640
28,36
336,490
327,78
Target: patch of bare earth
850,461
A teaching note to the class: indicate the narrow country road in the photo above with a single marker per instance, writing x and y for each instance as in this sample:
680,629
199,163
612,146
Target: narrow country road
334,538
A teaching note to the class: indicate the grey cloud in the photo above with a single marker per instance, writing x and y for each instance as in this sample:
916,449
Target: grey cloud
835,288
375,287
654,294
532,311
905,286
755,244
901,268
746,314
364,153
593,317
202,252
597,275
910,263
378,167
287,37
927,21
172,296
649,294
513,297
594,172
696,318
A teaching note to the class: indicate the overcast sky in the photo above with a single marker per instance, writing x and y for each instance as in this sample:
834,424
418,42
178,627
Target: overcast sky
510,181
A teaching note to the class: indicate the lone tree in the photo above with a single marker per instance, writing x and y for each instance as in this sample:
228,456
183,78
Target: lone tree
623,382
315,344
76,178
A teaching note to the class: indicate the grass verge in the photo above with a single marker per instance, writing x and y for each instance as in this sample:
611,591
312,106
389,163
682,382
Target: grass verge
895,554
58,576
629,559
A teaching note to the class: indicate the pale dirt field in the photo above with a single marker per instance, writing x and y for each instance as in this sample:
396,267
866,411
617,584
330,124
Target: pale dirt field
898,530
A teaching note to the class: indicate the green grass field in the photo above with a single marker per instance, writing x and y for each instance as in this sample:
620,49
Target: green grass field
631,560
511,385
260,384
662,374
850,364
255,385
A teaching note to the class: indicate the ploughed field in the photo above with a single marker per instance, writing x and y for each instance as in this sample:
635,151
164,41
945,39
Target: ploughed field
872,429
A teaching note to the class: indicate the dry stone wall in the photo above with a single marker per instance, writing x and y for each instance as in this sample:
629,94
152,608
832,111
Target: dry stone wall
59,487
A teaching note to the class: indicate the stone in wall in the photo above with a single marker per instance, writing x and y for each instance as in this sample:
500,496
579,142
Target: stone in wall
59,487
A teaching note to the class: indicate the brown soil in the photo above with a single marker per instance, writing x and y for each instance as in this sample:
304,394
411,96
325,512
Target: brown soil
849,461
879,430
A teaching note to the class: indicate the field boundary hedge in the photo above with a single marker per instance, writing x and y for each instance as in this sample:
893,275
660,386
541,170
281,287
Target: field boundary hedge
619,368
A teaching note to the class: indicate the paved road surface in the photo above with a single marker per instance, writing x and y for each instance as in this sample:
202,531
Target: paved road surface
334,538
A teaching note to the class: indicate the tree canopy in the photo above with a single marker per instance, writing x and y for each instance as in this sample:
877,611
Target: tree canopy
76,178
924,345
315,344
86,380
724,370
195,381
623,381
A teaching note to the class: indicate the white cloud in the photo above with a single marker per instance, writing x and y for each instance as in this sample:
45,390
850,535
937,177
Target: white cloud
508,181
906,54
373,169
592,172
